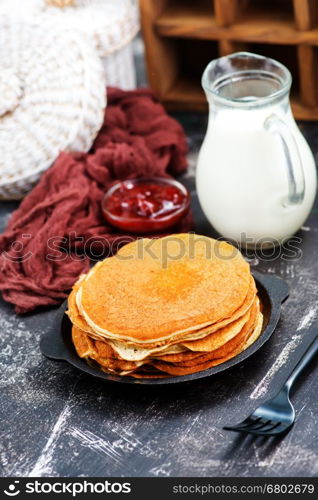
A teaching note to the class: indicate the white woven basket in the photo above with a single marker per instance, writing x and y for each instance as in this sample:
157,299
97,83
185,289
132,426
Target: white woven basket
112,24
120,68
52,99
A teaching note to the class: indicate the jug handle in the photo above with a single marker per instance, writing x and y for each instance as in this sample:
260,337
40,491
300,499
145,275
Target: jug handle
295,170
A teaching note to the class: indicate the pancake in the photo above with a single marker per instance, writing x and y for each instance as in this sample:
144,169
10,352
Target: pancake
73,312
142,295
80,322
135,353
256,333
172,306
177,370
219,335
226,347
216,340
103,354
84,345
149,374
221,351
123,368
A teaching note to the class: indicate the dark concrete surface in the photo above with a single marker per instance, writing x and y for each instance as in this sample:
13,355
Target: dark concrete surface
55,421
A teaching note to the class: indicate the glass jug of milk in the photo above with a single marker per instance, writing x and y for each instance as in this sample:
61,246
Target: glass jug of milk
256,175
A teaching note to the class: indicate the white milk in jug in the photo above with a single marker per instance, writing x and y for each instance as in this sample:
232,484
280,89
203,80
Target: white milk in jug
256,175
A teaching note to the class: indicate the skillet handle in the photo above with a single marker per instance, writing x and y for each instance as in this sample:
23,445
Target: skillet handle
52,345
278,287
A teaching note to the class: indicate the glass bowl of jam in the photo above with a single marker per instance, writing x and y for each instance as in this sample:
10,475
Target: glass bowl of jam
145,205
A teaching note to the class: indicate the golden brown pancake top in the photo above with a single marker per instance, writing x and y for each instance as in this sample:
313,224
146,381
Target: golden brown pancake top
148,292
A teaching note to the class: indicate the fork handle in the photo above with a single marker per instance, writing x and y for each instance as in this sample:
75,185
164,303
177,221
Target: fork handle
302,363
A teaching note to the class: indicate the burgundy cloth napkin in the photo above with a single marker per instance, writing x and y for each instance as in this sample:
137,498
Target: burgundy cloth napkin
48,239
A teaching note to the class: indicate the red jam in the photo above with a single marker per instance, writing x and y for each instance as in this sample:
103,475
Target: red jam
145,205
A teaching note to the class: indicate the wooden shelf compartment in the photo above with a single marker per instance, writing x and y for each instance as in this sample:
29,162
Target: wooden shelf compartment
192,57
266,20
272,12
227,11
250,20
286,54
187,93
182,36
302,62
308,75
306,14
187,19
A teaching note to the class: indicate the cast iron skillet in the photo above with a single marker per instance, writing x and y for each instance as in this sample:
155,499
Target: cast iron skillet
57,344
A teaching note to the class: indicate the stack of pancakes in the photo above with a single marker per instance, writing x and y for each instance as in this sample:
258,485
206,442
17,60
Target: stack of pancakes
169,306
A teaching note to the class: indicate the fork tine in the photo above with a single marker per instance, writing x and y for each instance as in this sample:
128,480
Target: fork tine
274,429
261,426
244,424
250,427
261,431
251,424
248,421
272,426
278,428
238,428
232,428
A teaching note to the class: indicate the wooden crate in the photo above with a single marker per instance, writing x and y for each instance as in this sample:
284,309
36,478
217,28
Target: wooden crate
182,36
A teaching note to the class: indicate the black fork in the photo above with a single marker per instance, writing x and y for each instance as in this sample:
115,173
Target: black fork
277,415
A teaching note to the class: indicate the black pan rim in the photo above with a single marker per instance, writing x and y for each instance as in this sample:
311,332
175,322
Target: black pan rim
55,347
